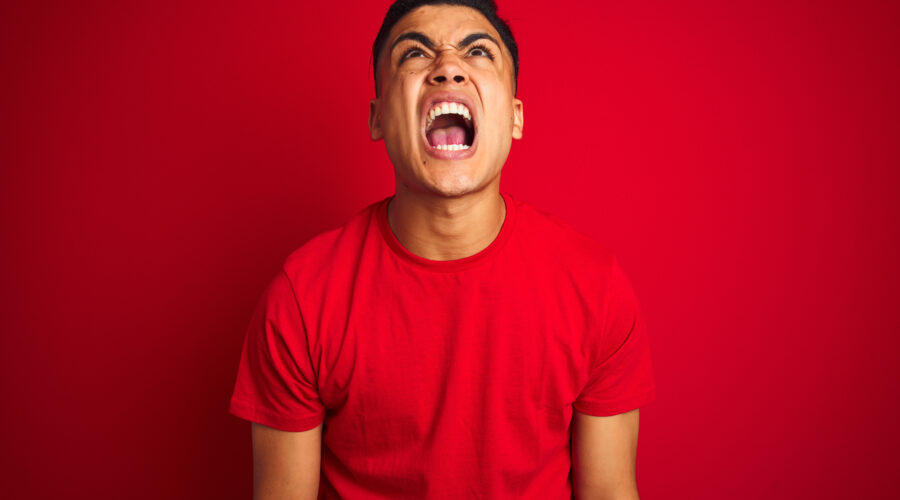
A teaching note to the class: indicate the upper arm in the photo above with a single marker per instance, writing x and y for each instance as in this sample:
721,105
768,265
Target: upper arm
604,450
286,464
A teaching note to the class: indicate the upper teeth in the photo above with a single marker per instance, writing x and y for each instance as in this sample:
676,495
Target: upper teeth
443,108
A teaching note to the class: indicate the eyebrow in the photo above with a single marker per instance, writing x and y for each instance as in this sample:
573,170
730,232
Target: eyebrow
416,36
424,40
474,37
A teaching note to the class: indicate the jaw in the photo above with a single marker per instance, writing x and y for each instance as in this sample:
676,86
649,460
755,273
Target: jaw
447,178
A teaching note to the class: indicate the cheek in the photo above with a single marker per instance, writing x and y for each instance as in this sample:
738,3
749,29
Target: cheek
498,99
404,104
393,119
502,122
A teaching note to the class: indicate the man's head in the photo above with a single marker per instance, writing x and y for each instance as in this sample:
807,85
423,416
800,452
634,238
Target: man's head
487,8
445,78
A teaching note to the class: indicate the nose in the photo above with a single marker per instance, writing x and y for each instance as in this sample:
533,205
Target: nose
446,69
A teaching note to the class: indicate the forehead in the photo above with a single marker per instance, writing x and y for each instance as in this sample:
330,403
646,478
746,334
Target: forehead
444,24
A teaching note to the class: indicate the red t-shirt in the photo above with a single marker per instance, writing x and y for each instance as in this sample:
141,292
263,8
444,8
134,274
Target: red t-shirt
444,379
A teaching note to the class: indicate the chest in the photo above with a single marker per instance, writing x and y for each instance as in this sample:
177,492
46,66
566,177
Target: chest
407,344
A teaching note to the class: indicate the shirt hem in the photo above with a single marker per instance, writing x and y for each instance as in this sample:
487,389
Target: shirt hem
616,406
258,415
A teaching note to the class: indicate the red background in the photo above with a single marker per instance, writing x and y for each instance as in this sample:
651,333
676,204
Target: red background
160,159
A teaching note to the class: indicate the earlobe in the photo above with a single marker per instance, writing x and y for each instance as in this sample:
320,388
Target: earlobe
375,120
518,119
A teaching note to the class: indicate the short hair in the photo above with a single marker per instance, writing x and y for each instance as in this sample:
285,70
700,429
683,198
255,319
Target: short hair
487,8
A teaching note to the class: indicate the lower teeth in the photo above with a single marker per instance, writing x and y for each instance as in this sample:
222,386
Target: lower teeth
451,147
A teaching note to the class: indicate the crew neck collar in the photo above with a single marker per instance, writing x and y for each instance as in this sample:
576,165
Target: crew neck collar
447,265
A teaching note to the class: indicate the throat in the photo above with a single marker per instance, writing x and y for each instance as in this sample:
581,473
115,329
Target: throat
446,229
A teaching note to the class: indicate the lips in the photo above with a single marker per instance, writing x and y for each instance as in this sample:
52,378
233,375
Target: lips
449,125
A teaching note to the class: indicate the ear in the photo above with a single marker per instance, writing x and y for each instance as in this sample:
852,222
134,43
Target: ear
375,120
518,119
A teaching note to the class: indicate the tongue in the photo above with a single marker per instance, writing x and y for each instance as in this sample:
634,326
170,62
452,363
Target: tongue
448,135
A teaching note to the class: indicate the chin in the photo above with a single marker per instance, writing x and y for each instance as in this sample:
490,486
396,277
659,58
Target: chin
452,191
455,185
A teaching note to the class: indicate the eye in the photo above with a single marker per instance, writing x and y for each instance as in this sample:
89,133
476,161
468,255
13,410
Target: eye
481,51
412,52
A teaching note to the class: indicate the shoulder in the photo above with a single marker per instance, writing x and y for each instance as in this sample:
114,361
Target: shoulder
549,237
331,250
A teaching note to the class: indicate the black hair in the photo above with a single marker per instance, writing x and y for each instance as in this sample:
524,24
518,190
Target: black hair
487,8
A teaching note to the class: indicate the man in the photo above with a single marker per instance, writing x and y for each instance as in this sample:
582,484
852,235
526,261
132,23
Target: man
449,341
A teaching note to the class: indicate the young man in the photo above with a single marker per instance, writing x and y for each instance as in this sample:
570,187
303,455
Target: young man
452,341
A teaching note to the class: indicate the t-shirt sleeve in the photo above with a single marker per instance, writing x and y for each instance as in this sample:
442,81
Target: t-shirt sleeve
276,383
621,375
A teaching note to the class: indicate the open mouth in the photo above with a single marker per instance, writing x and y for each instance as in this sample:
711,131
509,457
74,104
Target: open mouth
449,126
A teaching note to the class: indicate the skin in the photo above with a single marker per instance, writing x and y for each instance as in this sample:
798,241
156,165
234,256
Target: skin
444,210
286,465
604,451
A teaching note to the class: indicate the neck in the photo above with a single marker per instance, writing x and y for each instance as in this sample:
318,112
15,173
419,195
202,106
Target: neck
439,228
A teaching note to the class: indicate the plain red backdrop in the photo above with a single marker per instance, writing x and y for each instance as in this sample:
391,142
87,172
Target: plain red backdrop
160,159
